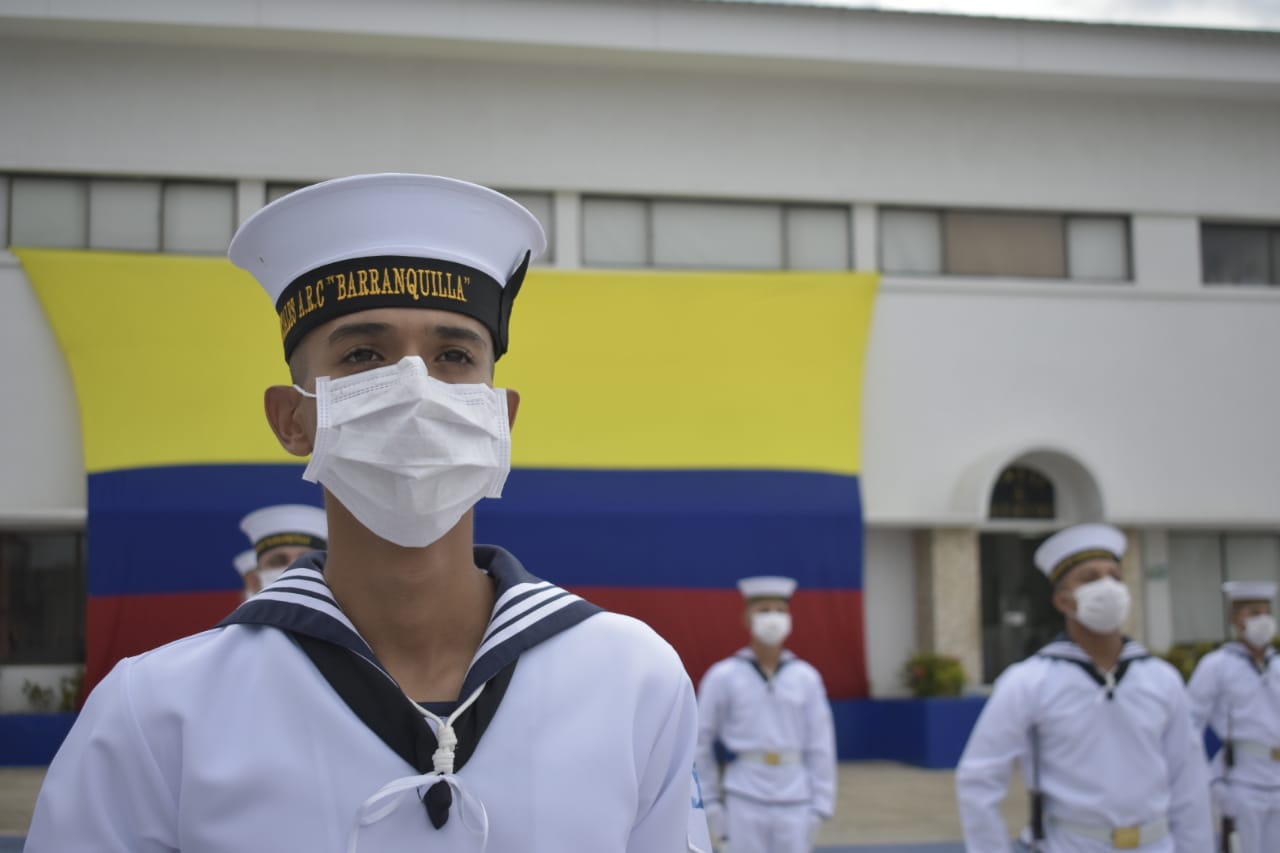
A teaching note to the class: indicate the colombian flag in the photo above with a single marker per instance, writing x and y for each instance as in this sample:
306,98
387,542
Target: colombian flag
677,431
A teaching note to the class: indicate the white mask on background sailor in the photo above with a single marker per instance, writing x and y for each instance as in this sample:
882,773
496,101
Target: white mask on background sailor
408,454
1102,605
771,627
1260,630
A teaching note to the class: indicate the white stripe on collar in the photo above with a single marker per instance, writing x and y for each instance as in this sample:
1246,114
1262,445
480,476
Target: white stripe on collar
526,611
1061,647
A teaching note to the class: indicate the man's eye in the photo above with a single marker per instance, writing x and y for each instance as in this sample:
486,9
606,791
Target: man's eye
455,356
361,354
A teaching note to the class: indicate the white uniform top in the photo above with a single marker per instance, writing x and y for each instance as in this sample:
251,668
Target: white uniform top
1230,693
749,713
232,741
1118,755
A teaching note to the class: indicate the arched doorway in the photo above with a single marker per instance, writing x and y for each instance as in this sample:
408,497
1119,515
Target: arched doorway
1034,494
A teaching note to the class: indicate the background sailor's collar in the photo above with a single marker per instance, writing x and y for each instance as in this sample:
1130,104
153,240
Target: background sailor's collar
1063,647
527,610
1238,648
747,653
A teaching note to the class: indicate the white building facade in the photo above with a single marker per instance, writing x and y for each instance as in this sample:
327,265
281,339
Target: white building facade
1077,227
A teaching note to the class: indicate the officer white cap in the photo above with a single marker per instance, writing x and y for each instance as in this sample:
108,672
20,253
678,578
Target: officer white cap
286,525
1249,590
246,561
1066,549
767,586
389,240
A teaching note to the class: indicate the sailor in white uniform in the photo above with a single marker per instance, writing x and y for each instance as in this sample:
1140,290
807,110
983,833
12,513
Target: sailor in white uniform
407,690
1100,727
1236,690
768,710
279,535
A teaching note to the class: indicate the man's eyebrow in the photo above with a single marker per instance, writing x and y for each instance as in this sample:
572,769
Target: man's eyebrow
460,333
352,330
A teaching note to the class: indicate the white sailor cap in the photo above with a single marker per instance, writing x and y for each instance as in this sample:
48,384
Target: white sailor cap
767,586
1249,590
286,525
246,561
389,240
1066,549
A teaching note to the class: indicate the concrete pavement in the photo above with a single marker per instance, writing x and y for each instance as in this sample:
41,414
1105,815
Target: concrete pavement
883,808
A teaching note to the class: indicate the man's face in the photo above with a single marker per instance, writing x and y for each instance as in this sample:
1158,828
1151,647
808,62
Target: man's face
1064,595
765,605
272,560
1243,611
455,349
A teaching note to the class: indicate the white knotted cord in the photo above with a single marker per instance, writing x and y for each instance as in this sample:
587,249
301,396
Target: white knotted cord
391,795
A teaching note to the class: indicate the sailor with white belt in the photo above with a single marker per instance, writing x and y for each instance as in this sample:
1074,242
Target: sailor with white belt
1236,691
768,710
1100,727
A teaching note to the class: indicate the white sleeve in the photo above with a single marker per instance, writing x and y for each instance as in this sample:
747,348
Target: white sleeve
1202,694
670,810
820,750
999,737
710,713
1190,817
105,792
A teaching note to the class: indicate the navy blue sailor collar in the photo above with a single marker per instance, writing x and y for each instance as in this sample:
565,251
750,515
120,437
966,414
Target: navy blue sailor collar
1063,647
1239,649
746,654
526,611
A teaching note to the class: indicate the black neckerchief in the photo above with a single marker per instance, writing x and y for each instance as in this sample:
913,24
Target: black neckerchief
526,611
1236,647
1062,648
750,657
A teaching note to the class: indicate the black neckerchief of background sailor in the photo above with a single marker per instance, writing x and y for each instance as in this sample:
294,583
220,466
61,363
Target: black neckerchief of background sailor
1235,647
526,611
749,656
1062,648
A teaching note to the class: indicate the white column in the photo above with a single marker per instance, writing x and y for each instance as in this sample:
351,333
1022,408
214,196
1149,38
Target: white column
1158,596
250,196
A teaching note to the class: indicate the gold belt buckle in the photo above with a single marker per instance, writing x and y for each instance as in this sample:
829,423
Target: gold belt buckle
1127,838
1275,753
772,758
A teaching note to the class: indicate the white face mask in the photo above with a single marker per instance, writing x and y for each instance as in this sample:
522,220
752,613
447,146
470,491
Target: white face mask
269,576
407,454
771,627
1259,630
1102,605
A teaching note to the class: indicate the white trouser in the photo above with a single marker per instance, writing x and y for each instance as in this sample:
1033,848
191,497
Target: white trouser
1257,815
756,827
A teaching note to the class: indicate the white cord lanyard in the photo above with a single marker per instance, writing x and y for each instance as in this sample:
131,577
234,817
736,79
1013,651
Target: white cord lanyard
391,795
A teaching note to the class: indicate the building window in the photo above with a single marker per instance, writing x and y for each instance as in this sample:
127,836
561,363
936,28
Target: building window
1240,254
42,598
117,213
124,215
696,234
1020,493
1199,563
199,218
49,212
996,243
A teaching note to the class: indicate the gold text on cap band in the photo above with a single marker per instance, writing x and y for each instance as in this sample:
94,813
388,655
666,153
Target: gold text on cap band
1076,559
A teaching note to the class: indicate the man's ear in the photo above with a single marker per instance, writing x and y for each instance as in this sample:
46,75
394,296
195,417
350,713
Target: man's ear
513,406
283,405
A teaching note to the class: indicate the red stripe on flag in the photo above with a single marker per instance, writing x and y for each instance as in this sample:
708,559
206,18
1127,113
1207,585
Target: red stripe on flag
706,625
123,625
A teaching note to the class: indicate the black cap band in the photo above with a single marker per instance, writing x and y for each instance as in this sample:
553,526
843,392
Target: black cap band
396,281
289,540
1077,558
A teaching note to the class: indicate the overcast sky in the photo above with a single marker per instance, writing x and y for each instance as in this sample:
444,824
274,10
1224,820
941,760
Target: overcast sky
1235,14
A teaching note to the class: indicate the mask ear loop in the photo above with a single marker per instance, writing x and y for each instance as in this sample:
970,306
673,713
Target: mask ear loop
323,433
